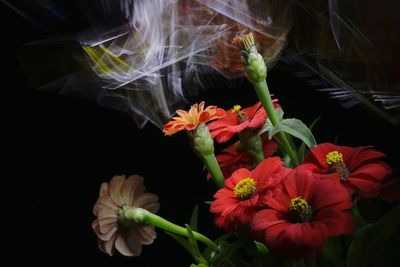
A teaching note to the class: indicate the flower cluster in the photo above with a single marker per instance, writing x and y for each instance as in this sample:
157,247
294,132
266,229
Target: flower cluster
287,196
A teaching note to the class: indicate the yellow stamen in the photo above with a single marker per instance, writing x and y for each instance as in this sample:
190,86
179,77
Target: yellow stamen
298,204
236,108
300,210
245,188
334,157
336,164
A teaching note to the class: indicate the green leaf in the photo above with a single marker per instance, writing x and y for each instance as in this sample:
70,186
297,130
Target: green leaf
261,248
377,244
208,202
194,218
279,113
295,128
302,149
193,244
268,124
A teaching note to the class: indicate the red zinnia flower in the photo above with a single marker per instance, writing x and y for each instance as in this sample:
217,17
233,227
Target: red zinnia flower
246,191
189,120
235,157
297,222
236,120
359,169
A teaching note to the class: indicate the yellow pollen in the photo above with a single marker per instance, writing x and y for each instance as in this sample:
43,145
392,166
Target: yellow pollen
236,108
245,188
298,204
334,157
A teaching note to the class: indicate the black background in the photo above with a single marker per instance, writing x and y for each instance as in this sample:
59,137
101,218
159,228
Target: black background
58,150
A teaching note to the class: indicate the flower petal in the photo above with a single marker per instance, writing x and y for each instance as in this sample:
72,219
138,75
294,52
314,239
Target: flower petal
128,244
132,189
147,235
115,189
267,218
148,201
109,246
266,168
330,193
299,183
240,174
365,186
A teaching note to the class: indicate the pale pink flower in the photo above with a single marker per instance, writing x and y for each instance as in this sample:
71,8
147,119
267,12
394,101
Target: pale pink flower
111,228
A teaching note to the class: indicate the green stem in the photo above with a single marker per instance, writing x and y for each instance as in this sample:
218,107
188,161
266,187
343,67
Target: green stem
203,146
143,216
253,145
266,100
212,166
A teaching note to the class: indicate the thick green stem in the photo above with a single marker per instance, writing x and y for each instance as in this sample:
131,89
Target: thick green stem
253,145
212,166
266,100
143,216
256,71
203,147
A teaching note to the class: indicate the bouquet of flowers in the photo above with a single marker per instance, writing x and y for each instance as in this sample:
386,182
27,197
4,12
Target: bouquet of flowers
281,198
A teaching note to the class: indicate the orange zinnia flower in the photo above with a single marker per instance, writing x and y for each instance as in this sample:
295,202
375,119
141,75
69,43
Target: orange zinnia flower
190,120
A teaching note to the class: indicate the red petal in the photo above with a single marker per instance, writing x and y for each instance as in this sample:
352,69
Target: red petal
377,170
329,193
259,119
299,183
229,119
237,127
280,202
318,154
251,111
266,218
361,155
266,168
274,233
240,174
366,187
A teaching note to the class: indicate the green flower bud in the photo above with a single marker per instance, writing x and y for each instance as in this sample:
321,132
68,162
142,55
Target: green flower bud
201,140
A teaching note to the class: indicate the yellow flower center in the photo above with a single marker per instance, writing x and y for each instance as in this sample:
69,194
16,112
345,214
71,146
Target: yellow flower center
236,108
300,210
336,164
334,157
298,204
240,115
245,188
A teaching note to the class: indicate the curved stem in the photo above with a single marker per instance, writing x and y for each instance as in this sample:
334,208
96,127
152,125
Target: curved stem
213,167
143,216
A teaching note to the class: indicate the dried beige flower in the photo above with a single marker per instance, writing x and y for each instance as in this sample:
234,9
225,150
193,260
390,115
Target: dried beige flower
114,231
